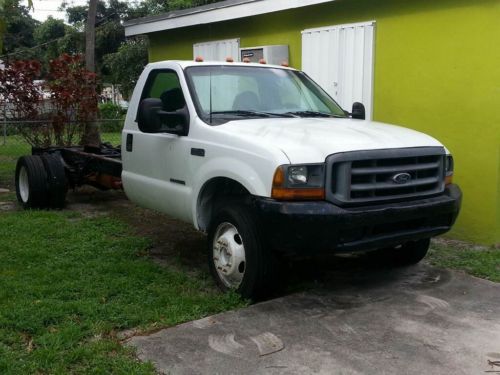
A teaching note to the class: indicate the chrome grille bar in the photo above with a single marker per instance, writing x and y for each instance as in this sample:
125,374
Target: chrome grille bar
363,177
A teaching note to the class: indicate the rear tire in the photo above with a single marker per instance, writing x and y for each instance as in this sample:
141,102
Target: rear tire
408,253
236,255
31,182
56,178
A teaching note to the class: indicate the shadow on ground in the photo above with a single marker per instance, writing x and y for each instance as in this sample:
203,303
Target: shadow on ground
178,244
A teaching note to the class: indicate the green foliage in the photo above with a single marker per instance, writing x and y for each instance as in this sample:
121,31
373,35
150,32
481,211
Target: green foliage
69,283
47,32
125,65
110,33
109,38
482,262
111,10
2,24
114,113
111,111
149,7
18,26
49,29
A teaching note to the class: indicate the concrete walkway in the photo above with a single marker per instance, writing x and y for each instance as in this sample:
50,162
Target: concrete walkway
418,320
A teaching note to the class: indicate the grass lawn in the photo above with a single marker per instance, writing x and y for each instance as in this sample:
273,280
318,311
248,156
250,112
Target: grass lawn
476,260
69,283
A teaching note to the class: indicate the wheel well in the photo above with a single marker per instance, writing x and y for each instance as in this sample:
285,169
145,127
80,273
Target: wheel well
211,195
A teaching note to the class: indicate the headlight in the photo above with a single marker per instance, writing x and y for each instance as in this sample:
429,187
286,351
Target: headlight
299,182
448,168
298,175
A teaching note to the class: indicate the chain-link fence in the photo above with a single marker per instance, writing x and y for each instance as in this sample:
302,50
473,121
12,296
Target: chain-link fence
13,144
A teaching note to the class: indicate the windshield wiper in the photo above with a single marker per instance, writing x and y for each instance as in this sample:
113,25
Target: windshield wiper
241,112
313,114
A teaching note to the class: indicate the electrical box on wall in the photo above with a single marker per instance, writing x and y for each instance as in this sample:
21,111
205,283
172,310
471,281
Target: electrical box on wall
274,55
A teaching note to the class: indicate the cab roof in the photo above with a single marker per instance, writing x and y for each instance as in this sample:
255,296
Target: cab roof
188,63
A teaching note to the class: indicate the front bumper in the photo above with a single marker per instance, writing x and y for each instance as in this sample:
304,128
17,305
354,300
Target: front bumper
302,228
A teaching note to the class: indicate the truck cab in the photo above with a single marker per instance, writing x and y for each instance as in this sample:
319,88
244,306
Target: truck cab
268,164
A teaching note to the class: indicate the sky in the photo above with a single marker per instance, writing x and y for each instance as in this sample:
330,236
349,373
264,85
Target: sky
46,8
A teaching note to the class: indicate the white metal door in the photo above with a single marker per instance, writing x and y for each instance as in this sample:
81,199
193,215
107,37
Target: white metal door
217,50
340,59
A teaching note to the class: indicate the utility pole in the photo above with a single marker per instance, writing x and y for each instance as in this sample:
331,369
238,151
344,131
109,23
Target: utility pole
90,36
91,136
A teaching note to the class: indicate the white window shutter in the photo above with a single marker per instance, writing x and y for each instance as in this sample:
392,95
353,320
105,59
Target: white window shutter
217,50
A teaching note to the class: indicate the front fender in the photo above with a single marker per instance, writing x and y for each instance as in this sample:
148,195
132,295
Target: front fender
258,184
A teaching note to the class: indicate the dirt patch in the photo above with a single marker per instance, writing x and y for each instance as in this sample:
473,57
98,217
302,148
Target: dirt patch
174,242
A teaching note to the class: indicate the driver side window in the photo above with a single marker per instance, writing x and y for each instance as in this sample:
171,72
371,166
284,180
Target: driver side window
160,81
162,107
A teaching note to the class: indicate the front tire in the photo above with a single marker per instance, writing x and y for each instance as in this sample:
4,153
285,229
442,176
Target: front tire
236,255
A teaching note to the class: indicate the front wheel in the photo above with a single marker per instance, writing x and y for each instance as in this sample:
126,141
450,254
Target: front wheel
236,255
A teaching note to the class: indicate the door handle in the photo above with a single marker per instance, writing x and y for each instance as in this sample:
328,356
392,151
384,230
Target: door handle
129,142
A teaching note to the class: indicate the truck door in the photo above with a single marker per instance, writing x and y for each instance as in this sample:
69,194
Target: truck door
155,173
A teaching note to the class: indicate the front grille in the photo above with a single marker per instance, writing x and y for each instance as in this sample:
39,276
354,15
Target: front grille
364,177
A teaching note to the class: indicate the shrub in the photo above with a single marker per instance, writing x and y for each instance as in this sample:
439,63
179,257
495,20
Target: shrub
112,117
111,111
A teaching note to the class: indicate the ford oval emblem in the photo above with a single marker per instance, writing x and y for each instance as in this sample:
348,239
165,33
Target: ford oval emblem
401,178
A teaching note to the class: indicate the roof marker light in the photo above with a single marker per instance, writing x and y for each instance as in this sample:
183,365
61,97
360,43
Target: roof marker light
229,59
246,60
262,61
198,59
285,64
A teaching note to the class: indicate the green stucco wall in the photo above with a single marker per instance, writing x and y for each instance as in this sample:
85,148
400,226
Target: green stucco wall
437,70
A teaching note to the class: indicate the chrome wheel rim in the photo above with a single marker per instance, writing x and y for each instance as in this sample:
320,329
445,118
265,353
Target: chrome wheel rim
24,186
229,255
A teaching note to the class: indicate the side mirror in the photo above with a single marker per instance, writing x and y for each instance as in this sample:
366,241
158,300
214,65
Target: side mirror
168,114
147,115
358,111
176,122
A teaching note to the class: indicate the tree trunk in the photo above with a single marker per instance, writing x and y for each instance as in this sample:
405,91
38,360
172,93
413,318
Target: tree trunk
91,136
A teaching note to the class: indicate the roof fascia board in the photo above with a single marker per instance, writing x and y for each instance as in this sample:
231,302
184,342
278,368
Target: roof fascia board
229,12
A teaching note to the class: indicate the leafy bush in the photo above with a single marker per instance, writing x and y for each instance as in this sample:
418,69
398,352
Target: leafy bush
112,117
111,111
62,119
73,89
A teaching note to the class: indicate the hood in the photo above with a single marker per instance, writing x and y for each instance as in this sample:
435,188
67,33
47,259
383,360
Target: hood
311,140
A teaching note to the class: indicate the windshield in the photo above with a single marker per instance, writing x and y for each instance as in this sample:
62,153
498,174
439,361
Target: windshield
224,93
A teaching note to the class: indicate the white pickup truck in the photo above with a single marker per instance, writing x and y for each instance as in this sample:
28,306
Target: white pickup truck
262,159
269,165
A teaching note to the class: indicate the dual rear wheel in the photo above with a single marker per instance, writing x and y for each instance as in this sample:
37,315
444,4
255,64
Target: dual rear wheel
41,181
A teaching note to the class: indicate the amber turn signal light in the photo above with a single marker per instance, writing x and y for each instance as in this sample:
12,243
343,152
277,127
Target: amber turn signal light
281,192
